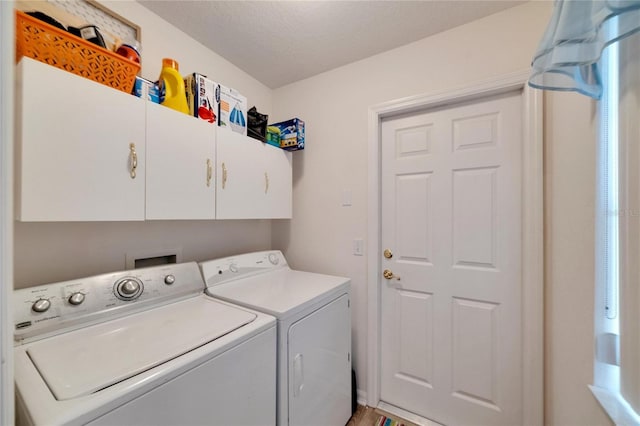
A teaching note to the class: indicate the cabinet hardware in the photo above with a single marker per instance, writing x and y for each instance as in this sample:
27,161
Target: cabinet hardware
266,182
224,175
133,160
209,172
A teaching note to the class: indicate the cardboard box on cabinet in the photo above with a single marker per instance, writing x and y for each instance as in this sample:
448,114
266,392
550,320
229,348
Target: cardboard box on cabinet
292,134
233,110
203,97
147,90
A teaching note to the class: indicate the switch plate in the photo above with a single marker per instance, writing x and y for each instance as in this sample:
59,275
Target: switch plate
358,247
346,198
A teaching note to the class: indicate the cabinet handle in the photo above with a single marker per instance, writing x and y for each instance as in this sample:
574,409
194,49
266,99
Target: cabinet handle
266,182
133,160
224,175
209,172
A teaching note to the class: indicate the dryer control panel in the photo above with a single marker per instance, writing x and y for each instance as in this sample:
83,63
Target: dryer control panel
226,269
52,308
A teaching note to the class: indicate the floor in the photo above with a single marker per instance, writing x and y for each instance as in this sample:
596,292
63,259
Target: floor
367,416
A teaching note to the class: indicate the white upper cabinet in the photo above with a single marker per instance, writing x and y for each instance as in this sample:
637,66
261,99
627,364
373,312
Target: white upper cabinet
87,152
277,169
180,165
80,148
253,178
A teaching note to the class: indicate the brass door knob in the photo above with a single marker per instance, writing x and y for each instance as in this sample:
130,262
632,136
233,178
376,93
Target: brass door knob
387,253
389,275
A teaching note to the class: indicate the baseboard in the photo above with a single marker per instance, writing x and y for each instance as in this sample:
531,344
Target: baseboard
362,398
413,418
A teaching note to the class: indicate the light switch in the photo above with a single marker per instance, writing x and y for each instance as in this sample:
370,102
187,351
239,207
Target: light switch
358,247
346,198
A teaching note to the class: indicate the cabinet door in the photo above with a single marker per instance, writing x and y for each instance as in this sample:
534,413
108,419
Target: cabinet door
77,142
254,179
277,168
180,162
240,178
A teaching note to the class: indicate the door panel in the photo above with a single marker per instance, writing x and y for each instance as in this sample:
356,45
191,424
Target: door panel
474,349
475,132
415,334
451,313
414,224
474,215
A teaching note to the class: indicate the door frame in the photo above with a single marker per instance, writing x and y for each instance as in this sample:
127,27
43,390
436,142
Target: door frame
7,65
532,228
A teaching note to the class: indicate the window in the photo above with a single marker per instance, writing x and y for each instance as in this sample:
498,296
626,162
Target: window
617,303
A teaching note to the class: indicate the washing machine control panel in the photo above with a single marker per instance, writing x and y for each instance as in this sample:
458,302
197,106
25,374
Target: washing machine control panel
227,269
51,308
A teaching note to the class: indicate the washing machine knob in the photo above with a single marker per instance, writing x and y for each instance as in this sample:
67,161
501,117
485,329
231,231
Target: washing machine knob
273,258
169,279
41,305
233,268
76,298
128,288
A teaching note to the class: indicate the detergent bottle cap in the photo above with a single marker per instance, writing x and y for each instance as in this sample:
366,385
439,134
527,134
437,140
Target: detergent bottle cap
170,63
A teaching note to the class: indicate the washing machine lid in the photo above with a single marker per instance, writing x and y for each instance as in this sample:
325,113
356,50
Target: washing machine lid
281,292
88,360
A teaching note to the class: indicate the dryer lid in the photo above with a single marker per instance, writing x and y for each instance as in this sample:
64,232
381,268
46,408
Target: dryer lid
88,360
281,292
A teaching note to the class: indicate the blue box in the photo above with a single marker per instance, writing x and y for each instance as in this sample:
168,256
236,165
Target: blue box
291,134
146,89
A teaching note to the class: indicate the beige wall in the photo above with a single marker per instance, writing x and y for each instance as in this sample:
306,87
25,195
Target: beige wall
334,106
570,165
161,40
48,252
319,238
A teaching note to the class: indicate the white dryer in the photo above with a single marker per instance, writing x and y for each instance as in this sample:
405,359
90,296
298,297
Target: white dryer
314,331
141,347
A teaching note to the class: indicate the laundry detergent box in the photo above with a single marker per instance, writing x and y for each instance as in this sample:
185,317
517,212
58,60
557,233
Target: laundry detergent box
147,90
291,134
273,136
233,110
203,97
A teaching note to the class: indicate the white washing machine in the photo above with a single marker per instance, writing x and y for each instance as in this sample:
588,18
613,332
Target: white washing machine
141,347
314,331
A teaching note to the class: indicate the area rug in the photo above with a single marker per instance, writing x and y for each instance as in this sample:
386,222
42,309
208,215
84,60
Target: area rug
386,421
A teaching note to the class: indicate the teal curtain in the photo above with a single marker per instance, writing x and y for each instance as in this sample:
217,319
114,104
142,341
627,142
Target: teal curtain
569,53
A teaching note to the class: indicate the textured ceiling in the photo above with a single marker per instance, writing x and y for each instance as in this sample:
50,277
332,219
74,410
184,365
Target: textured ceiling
279,42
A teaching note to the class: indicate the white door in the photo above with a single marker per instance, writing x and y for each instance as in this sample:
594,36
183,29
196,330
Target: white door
180,162
451,344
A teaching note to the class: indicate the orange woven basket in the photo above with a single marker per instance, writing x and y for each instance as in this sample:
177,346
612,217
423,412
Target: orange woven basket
46,43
